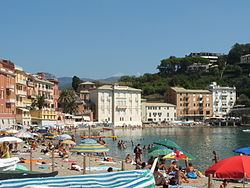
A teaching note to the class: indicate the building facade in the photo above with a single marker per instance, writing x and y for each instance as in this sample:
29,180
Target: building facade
194,105
119,105
212,57
23,103
7,94
159,112
223,99
245,58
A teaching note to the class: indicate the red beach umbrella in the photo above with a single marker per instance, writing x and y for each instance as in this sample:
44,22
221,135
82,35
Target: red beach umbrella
237,167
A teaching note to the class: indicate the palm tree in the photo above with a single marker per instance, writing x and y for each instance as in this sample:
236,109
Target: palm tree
67,101
38,103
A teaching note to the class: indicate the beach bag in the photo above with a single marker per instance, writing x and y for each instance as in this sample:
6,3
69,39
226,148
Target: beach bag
192,175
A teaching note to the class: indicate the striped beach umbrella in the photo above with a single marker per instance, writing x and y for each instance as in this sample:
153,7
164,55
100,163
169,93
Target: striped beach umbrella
63,137
90,148
88,140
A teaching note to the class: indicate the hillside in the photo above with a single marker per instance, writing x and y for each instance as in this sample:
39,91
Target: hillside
197,73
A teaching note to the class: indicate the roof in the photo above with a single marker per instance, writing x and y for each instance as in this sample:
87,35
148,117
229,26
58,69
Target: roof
159,104
247,55
87,83
183,90
117,87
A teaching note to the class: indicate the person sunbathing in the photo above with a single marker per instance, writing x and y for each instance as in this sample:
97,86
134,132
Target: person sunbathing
173,167
162,165
128,159
159,178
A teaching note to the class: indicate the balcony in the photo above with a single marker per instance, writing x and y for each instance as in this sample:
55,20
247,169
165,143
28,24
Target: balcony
22,82
21,93
49,100
31,84
20,105
121,107
11,100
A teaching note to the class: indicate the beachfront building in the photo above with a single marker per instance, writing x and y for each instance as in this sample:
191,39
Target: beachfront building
118,105
158,112
7,94
212,57
223,99
46,115
245,58
191,105
23,103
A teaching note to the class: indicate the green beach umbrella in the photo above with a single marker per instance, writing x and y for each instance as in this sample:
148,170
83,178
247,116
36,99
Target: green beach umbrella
167,143
156,147
48,134
158,152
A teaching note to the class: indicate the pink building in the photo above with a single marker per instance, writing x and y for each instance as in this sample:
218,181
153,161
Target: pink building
56,92
7,94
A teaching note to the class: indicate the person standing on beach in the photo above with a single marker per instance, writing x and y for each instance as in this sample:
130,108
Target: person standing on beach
216,157
138,152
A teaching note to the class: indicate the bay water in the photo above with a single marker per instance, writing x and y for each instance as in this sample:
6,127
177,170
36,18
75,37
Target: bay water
198,141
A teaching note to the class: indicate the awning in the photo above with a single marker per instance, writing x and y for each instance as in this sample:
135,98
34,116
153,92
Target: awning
24,109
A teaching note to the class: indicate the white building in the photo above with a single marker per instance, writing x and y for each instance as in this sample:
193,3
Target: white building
158,112
120,105
223,99
245,58
212,57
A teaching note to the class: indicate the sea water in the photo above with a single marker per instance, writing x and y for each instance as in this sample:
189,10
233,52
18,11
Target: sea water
198,141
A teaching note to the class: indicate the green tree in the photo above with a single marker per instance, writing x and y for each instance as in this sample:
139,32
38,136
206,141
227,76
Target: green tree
39,103
237,51
67,101
75,82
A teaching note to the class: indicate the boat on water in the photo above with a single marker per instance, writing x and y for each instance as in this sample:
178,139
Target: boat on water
246,130
122,179
17,174
8,163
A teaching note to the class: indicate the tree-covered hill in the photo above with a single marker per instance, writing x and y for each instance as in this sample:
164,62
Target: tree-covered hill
197,73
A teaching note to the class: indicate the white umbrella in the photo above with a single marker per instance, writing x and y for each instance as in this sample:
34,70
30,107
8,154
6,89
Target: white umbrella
10,139
12,131
63,137
24,134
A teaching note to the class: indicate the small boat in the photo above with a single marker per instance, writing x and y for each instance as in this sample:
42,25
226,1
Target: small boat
246,130
17,174
107,129
8,163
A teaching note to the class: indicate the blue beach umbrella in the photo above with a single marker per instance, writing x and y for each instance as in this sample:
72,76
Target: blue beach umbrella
88,140
245,151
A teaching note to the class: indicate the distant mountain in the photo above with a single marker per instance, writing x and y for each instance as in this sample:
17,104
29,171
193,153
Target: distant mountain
65,82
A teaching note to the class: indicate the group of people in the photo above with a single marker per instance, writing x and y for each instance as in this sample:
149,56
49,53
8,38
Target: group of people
121,144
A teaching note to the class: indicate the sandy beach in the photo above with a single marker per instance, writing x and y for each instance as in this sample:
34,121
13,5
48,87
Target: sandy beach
63,166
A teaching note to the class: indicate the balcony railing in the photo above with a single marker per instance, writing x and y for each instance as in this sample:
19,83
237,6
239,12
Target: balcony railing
20,92
23,82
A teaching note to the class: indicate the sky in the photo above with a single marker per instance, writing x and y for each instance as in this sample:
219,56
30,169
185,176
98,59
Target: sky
102,38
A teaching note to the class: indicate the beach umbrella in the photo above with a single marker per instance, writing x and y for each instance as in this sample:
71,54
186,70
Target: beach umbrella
237,167
68,142
10,139
12,131
63,137
89,148
33,125
245,151
167,143
42,131
179,155
156,147
48,134
162,151
88,140
24,134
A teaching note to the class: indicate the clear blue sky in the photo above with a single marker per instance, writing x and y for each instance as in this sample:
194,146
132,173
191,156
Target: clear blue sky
101,38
